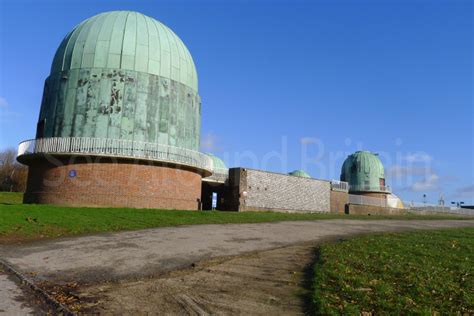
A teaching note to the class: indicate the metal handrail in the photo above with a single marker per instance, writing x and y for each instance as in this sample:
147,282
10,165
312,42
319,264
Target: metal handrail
367,188
367,200
115,148
339,186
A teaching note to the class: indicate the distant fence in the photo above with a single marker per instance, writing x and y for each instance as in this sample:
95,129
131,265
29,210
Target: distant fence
409,205
416,206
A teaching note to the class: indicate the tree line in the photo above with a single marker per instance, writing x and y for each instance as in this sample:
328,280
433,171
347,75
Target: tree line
12,173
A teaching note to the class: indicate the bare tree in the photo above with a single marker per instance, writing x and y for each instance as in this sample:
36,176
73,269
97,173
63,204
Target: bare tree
12,174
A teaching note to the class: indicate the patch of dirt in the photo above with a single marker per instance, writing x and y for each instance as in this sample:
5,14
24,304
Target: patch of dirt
270,282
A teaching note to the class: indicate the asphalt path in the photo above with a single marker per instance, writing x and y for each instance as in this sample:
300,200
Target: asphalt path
150,252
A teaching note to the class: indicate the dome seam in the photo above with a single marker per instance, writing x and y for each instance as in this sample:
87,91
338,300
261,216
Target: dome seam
123,39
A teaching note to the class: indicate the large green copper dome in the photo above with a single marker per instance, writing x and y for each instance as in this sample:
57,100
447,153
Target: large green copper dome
126,40
364,172
122,76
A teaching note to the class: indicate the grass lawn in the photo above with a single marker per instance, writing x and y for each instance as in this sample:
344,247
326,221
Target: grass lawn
11,197
419,273
19,222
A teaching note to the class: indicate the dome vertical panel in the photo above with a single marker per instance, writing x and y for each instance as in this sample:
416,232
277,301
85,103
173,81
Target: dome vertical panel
153,48
90,45
143,48
193,80
78,49
174,56
129,43
103,42
181,59
116,41
165,51
58,58
366,163
65,60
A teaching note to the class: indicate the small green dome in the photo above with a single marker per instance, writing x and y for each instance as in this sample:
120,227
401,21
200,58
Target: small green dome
364,172
218,163
129,41
299,173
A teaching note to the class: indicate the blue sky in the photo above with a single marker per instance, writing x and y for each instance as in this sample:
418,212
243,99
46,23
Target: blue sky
293,84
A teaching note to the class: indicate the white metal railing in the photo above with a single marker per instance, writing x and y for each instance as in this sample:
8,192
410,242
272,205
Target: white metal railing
115,148
339,186
367,200
412,207
363,188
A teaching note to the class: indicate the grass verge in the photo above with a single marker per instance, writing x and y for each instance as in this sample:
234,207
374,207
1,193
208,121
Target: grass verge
11,197
427,273
21,222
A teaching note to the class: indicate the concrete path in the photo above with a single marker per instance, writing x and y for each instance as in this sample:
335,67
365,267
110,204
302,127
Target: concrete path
154,251
12,298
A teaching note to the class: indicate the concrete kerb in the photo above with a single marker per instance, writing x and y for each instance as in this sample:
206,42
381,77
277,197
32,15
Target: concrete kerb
59,309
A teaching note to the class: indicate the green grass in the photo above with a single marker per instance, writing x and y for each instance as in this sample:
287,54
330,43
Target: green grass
418,273
19,222
11,197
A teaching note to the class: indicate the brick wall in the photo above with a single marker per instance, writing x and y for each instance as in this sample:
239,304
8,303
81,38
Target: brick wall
279,192
339,200
356,209
108,183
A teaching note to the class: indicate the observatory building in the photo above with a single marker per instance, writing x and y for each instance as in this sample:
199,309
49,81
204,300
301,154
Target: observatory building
120,119
120,124
365,174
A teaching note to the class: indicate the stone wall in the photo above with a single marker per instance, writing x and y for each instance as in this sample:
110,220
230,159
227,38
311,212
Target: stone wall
266,191
107,183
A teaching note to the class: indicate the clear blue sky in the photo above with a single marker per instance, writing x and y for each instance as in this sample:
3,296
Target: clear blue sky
293,84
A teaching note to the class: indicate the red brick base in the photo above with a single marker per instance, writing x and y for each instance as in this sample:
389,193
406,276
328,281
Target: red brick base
339,200
107,183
